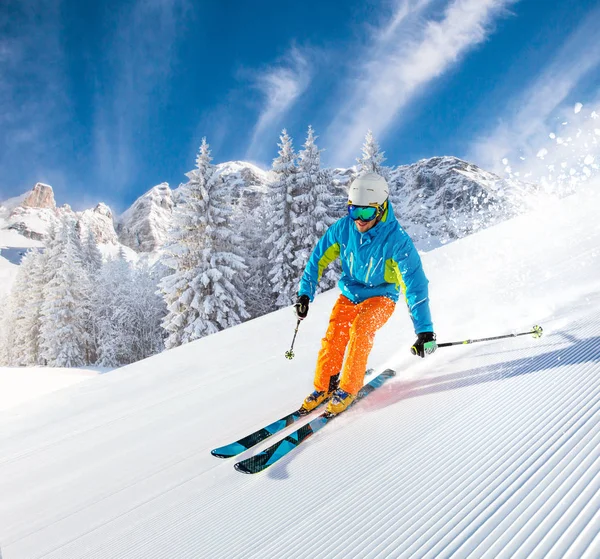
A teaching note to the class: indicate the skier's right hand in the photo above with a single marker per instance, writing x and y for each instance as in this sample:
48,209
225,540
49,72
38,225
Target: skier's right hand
301,306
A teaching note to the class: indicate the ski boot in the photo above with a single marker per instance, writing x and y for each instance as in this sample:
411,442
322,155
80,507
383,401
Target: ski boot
339,402
315,399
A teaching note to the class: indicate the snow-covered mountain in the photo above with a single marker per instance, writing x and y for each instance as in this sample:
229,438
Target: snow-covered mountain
441,199
437,200
487,451
445,198
26,219
243,175
32,213
143,227
100,223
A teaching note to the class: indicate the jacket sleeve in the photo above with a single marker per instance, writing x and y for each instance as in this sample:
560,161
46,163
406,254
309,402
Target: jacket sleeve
326,251
414,283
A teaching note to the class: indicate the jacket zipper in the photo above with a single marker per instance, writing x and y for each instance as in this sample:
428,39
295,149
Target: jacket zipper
369,270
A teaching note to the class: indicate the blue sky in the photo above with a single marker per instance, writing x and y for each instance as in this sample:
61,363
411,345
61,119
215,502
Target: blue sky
103,100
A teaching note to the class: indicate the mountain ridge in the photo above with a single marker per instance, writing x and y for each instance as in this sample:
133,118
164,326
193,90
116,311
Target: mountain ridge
437,200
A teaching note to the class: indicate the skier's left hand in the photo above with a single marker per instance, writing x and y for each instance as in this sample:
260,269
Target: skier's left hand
424,345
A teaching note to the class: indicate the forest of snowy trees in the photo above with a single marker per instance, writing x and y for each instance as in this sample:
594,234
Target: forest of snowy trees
228,258
68,308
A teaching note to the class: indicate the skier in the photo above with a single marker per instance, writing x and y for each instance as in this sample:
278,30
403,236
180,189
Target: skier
379,261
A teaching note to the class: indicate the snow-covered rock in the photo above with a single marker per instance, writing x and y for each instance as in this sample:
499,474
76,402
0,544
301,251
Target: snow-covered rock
144,226
32,213
100,222
247,182
41,196
243,175
445,198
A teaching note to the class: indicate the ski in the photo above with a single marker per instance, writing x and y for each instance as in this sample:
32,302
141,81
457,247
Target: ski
243,444
253,439
269,456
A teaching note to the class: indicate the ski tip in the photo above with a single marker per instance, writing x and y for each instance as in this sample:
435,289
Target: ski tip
218,454
241,468
229,450
390,372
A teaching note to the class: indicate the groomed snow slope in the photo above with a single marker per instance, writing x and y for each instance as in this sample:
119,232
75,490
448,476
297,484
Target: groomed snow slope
489,450
22,384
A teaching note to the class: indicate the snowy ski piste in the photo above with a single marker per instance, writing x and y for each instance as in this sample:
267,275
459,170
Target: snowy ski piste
489,450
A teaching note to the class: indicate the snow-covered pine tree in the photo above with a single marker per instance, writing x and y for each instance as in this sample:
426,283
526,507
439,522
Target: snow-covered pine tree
252,215
372,157
92,263
284,274
314,202
110,302
62,328
92,257
200,296
145,315
52,250
26,304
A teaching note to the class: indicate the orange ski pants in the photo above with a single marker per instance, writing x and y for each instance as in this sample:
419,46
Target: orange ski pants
353,325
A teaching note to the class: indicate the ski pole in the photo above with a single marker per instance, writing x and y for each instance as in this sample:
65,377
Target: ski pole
289,354
536,331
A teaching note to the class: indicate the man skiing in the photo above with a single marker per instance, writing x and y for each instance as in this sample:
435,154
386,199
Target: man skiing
379,261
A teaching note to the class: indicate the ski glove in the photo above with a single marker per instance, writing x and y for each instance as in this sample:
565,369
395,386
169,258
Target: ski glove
301,306
425,344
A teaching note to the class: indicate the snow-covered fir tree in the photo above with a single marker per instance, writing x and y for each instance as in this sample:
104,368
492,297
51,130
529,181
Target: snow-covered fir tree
146,313
128,313
109,301
92,263
62,330
372,158
26,304
282,239
200,296
252,215
92,257
314,201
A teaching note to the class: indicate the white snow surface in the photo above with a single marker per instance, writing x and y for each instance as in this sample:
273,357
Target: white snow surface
489,450
24,384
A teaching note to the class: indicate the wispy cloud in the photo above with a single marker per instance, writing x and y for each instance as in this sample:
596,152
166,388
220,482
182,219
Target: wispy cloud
404,56
527,116
281,85
143,50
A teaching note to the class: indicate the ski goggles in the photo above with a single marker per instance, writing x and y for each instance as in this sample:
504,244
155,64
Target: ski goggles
363,213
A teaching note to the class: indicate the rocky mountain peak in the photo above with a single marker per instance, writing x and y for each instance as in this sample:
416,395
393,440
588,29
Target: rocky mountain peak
445,198
144,226
41,196
103,209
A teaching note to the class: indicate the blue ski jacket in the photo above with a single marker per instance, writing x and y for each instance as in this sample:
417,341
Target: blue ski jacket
380,262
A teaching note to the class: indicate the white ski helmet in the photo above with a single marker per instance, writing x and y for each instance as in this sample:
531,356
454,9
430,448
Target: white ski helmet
369,189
